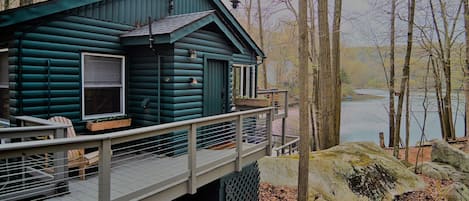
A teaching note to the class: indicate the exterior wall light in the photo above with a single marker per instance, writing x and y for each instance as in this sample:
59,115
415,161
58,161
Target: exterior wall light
235,3
193,54
194,81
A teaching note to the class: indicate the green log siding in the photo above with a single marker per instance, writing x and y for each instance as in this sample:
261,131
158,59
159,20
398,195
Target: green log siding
143,82
50,64
205,43
136,12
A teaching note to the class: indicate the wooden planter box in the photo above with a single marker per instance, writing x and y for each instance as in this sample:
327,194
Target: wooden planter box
105,125
252,102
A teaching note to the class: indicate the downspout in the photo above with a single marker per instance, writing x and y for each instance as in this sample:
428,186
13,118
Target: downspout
158,58
48,87
20,74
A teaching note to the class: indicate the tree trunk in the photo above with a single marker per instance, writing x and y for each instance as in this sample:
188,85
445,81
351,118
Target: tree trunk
407,122
303,167
261,38
326,137
466,69
248,13
314,110
405,75
337,84
392,122
439,99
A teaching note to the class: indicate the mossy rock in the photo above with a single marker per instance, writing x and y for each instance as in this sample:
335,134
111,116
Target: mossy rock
351,171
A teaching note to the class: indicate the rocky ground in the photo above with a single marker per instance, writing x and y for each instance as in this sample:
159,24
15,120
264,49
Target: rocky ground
445,176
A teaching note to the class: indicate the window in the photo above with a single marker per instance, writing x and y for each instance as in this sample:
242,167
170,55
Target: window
4,94
244,80
103,85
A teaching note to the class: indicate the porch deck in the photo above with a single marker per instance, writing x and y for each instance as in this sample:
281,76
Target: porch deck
155,172
153,163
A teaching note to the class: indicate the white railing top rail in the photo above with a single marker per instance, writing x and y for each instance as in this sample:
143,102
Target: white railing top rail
29,147
37,124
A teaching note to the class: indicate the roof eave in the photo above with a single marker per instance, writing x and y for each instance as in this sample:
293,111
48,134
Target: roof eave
23,14
184,31
240,28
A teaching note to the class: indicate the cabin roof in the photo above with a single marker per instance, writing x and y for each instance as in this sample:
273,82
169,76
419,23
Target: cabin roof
172,28
23,14
168,24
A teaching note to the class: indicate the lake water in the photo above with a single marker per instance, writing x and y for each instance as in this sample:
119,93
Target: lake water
363,120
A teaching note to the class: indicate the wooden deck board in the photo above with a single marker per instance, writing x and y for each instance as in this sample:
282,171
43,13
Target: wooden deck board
135,175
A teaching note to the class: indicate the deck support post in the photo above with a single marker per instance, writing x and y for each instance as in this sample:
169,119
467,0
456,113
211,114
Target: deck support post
105,170
192,154
284,121
60,162
269,119
239,143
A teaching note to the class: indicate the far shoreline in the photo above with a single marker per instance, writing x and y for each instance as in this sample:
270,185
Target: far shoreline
360,97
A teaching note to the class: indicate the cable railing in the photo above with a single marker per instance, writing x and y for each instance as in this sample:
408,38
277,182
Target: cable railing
278,99
132,164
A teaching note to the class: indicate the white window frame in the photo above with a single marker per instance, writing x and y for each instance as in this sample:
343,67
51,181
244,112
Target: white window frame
2,51
251,76
4,121
122,86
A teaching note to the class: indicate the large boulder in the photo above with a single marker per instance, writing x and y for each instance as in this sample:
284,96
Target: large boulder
443,171
442,152
457,192
351,171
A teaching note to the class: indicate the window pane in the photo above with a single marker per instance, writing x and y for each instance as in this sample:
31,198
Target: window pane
3,69
4,97
102,100
102,70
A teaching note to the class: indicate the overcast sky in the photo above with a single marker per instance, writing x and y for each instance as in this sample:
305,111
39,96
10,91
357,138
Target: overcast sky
359,24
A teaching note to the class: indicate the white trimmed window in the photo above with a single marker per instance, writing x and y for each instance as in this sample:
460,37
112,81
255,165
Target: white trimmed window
102,85
4,93
244,80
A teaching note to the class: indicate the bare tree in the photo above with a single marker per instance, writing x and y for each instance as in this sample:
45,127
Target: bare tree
405,74
326,106
337,84
261,38
445,32
303,166
314,108
392,72
466,69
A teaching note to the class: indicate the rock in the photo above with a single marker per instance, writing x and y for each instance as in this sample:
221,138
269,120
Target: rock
466,146
444,153
442,171
457,192
351,171
438,171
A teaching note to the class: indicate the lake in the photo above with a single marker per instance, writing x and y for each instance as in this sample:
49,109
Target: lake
363,120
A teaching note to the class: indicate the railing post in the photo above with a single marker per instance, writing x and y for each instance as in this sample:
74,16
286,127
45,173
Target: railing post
105,170
239,143
60,161
286,104
192,154
269,119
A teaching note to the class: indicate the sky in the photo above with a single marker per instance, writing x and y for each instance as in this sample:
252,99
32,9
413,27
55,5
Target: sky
358,22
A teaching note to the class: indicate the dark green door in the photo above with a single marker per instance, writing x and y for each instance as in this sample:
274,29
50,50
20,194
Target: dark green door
215,87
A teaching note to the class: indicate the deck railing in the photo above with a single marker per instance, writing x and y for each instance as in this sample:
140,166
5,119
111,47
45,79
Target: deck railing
137,163
288,148
16,172
278,99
